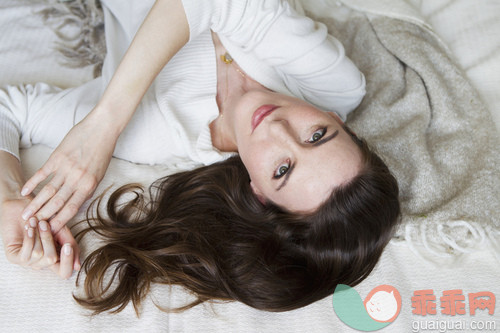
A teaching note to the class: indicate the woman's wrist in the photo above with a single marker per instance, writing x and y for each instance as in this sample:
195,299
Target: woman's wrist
11,177
9,191
107,122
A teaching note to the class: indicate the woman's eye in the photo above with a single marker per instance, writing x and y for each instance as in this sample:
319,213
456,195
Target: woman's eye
282,170
316,136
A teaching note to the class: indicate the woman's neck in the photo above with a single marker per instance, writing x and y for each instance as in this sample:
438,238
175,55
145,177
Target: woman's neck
232,84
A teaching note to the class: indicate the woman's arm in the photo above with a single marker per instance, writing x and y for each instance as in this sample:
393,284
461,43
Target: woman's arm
163,33
79,163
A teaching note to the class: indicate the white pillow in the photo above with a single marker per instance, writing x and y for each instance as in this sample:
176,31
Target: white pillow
471,29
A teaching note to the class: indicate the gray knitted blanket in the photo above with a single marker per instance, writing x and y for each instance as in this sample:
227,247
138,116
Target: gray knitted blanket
430,126
420,114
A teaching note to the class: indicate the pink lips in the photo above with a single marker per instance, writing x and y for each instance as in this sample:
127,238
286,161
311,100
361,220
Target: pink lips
261,113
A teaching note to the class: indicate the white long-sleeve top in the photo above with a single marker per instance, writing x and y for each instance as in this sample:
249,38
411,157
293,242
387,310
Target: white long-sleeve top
269,39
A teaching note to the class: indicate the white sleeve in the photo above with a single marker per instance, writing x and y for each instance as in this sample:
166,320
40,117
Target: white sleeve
13,116
41,113
310,61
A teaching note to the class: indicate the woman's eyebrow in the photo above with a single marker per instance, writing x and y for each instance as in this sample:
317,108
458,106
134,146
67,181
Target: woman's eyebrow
326,139
316,144
285,179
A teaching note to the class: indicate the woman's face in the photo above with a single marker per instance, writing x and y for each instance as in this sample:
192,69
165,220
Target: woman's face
295,154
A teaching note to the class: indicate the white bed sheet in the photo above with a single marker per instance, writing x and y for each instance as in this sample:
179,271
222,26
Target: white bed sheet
37,301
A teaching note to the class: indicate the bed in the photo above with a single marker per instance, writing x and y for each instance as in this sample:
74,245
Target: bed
38,301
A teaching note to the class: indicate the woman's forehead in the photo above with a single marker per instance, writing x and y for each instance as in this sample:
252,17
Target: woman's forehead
316,174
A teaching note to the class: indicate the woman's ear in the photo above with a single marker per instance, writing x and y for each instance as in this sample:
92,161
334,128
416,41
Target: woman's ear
258,194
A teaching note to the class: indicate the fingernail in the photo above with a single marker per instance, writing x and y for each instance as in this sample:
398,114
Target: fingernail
26,215
67,249
33,222
30,233
26,227
24,191
43,226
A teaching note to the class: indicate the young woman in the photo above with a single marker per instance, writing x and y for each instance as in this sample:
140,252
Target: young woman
304,205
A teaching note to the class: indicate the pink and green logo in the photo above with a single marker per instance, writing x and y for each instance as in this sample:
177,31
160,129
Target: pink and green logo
380,307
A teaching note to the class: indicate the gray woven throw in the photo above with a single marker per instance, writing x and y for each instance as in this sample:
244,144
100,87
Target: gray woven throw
428,123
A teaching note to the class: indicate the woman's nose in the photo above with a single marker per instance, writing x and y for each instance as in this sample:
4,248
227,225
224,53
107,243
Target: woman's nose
281,130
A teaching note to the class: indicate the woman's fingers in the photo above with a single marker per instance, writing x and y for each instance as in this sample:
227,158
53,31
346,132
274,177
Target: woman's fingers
48,245
64,205
39,247
37,251
36,179
69,211
54,205
61,196
69,258
64,236
44,253
64,268
48,192
28,242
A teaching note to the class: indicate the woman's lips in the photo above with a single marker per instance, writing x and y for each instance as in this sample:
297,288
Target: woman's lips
261,113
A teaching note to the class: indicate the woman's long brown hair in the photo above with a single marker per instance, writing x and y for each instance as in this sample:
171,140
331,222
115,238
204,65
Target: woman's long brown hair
206,231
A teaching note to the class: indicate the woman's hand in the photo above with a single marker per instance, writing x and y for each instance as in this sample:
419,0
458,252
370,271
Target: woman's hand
77,166
31,244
